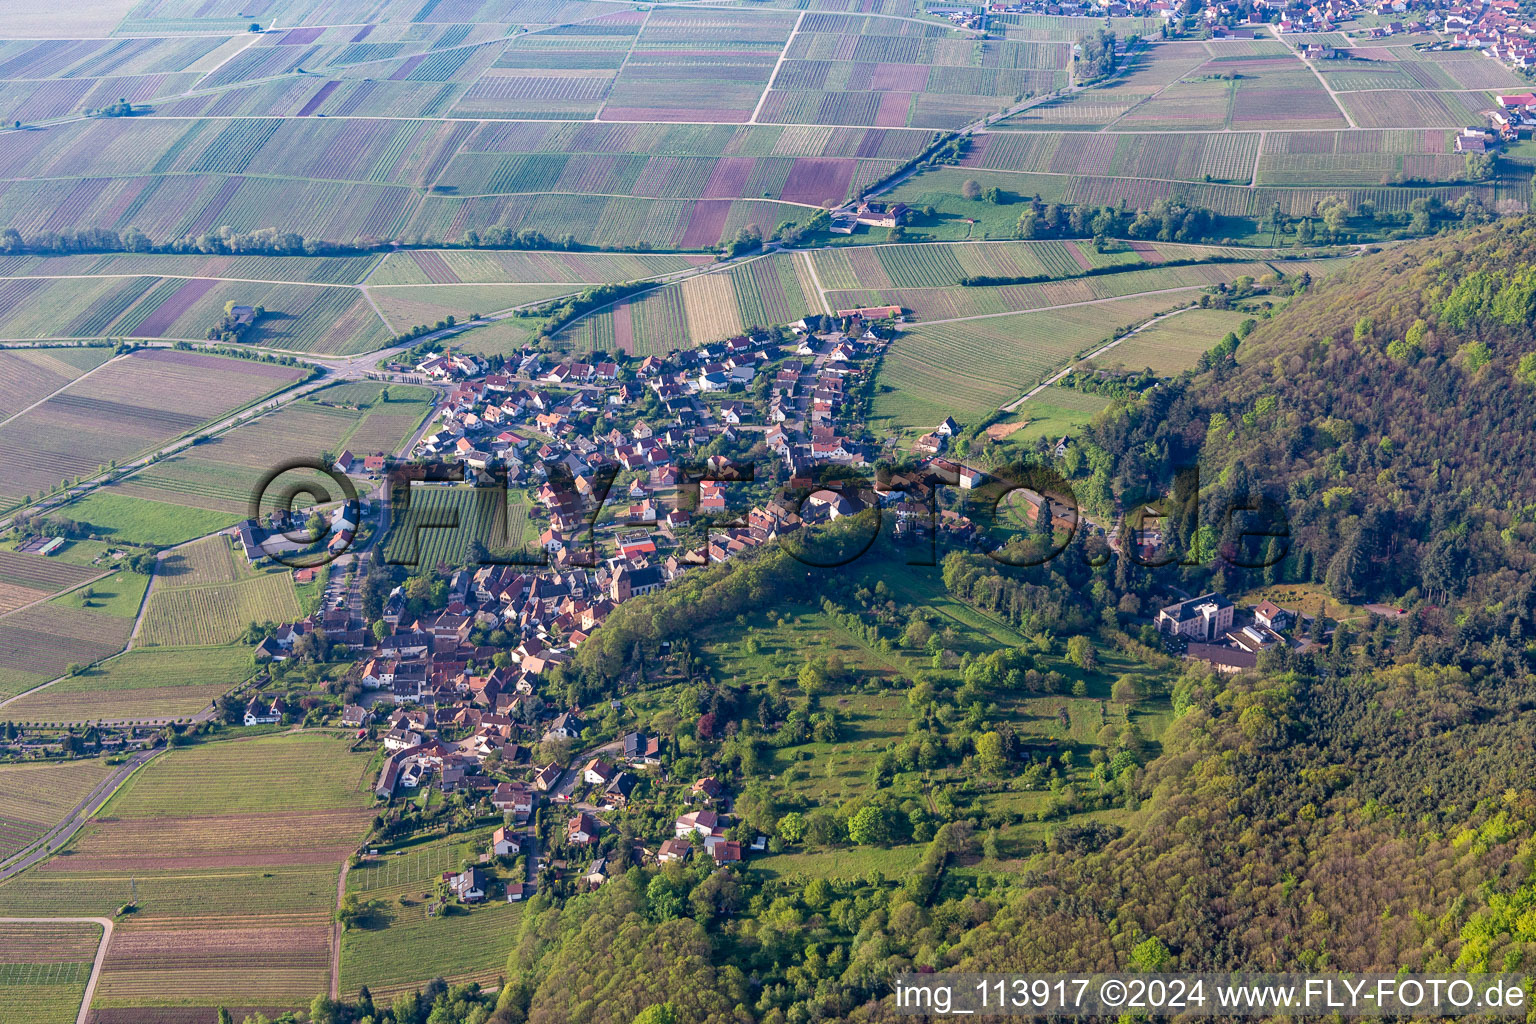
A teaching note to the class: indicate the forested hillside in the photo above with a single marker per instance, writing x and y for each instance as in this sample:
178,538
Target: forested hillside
1362,804
1388,411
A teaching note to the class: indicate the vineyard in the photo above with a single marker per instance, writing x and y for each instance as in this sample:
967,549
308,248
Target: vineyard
968,370
143,399
949,303
231,851
35,797
30,375
28,578
139,684
218,613
1225,157
460,267
413,948
443,521
38,643
210,560
44,969
698,66
220,474
1174,345
709,307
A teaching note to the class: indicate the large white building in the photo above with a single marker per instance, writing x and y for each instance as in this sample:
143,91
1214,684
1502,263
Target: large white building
1200,618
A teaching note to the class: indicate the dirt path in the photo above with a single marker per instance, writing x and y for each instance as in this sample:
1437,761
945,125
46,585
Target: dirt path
1032,392
101,951
67,385
341,889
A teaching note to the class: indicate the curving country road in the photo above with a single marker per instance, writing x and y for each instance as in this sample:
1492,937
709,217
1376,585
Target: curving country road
101,951
64,830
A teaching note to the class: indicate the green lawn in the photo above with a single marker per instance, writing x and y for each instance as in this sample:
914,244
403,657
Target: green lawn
141,521
119,594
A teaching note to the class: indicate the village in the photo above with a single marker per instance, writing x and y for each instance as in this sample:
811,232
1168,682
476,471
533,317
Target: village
465,691
611,459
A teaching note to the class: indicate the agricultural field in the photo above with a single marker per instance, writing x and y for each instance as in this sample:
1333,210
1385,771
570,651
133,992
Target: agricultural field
144,683
232,850
847,69
216,613
710,307
27,376
26,579
1172,346
958,219
299,317
36,797
405,306
211,484
200,563
442,521
1360,158
947,302
698,65
136,402
44,969
40,642
1227,157
968,370
396,946
402,948
452,266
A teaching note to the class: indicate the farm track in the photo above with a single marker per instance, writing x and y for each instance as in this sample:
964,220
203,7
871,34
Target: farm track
66,829
768,86
101,952
64,387
1032,392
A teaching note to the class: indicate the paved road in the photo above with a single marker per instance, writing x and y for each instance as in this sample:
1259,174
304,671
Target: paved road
101,951
60,833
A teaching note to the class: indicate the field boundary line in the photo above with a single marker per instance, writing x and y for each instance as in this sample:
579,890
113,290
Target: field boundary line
783,53
821,292
101,952
1014,405
1258,154
377,311
64,387
58,593
1333,97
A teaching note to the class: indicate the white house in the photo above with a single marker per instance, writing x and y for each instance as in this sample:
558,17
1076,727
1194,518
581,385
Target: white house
504,843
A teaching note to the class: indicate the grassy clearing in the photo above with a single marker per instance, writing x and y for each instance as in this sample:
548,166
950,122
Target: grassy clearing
1053,413
141,521
154,683
1173,345
118,595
